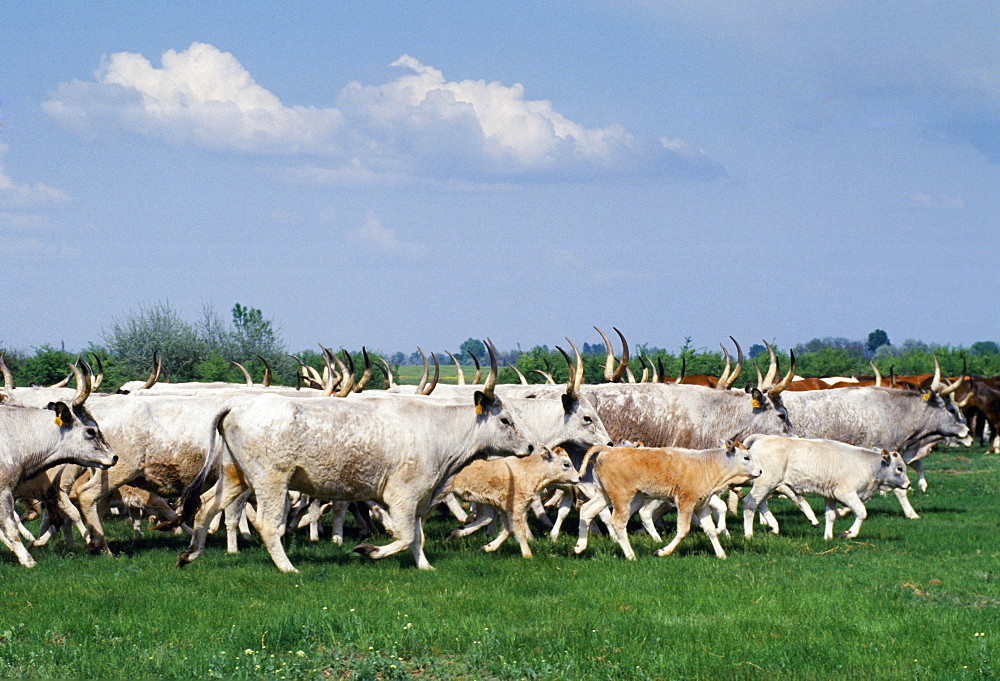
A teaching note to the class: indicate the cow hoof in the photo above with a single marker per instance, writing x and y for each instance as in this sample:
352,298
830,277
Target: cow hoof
183,559
366,549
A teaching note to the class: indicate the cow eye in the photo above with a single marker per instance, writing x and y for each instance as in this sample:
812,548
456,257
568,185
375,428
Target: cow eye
504,420
90,433
588,420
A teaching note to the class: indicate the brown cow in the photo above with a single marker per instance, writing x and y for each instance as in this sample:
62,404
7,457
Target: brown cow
510,484
626,477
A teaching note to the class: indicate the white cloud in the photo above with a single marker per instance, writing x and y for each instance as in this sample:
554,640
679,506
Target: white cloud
13,194
373,234
419,125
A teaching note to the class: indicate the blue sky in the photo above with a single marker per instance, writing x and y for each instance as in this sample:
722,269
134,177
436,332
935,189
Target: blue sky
399,174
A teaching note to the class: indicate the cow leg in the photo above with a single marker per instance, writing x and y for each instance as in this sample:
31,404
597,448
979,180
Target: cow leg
588,512
484,516
506,529
8,529
454,505
407,531
756,497
236,519
766,517
918,466
719,508
649,512
538,508
564,507
683,527
800,501
272,514
704,517
904,502
90,496
220,496
337,521
853,502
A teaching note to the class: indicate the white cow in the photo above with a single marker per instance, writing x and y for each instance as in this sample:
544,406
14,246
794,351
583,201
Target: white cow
399,453
839,472
33,439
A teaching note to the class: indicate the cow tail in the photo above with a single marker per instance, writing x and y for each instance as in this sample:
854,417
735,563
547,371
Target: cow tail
592,452
213,456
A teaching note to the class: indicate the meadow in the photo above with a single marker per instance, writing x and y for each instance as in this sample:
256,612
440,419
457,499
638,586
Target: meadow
908,599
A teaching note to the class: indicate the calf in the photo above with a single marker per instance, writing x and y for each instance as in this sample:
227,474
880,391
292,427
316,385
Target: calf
627,477
510,484
837,471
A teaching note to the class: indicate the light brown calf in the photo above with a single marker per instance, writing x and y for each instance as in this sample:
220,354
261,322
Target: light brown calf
626,477
510,484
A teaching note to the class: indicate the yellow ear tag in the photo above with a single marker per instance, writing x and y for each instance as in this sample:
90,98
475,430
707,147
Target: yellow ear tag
926,397
479,409
59,422
755,404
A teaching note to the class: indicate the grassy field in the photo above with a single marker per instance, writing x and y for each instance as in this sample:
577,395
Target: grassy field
906,600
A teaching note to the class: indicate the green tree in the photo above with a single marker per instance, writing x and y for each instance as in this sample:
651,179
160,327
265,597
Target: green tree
472,347
983,348
876,339
48,366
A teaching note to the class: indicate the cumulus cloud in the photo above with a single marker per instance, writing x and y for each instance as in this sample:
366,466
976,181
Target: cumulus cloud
377,237
16,195
418,126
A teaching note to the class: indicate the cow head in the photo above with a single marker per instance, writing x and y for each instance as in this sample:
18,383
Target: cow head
892,472
80,440
559,467
491,413
739,455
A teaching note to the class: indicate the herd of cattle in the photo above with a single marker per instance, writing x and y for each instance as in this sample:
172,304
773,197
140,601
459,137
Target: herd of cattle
610,449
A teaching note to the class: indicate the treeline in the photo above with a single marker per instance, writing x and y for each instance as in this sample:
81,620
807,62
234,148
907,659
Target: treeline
204,351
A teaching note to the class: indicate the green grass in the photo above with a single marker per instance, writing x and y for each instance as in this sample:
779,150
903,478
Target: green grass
906,600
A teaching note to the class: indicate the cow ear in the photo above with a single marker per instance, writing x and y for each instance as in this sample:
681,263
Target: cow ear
885,457
569,403
483,402
757,400
64,416
927,395
548,454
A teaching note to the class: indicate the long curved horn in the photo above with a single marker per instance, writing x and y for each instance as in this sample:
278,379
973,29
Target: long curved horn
82,385
760,378
654,376
645,369
268,376
437,375
683,373
328,383
63,383
724,376
948,390
659,367
936,384
348,371
154,374
776,390
772,370
609,361
246,374
623,365
459,374
389,382
520,376
739,365
489,388
878,374
578,369
546,376
8,378
366,374
569,371
99,378
479,372
892,375
425,375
